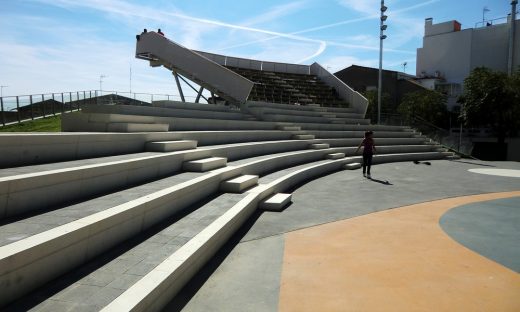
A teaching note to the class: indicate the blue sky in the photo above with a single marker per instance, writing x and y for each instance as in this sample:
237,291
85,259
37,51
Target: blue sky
65,45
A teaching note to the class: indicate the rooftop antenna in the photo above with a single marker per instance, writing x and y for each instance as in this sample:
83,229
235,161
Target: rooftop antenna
404,66
484,10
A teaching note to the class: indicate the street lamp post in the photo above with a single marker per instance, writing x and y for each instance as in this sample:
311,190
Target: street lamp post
382,27
101,84
2,90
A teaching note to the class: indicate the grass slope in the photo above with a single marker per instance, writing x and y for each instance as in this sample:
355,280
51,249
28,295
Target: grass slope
49,124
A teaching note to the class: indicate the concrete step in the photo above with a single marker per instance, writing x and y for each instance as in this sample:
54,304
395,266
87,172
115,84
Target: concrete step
136,127
319,146
115,273
453,157
170,146
352,166
303,137
237,185
206,164
335,156
329,115
78,241
276,202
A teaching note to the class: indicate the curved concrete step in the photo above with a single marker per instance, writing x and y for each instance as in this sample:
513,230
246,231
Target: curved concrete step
81,240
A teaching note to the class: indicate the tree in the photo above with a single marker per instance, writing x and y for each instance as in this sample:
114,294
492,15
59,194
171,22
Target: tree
426,104
492,99
386,103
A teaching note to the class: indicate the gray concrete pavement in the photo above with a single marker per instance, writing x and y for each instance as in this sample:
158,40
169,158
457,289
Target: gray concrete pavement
237,279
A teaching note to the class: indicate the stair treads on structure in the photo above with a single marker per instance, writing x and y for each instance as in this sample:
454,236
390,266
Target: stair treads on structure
23,228
102,280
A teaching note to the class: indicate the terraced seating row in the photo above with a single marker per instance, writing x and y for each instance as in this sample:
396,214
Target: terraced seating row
290,88
121,221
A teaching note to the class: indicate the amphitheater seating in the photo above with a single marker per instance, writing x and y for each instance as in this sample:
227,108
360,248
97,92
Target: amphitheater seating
287,88
122,220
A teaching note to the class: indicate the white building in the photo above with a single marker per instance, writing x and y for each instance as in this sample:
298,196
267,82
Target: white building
450,53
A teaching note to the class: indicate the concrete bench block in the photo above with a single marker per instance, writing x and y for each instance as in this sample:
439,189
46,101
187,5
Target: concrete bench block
276,202
319,146
335,156
453,157
239,184
303,136
171,146
289,128
352,166
136,127
205,164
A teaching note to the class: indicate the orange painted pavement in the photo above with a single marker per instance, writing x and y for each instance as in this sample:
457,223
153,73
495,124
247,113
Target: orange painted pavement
394,260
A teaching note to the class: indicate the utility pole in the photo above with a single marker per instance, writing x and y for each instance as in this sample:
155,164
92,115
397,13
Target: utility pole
2,90
511,52
484,10
101,84
130,79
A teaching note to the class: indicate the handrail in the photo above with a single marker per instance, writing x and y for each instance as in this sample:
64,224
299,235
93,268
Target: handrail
442,136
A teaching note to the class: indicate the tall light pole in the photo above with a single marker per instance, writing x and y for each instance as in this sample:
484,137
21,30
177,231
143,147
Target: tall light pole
382,27
2,90
101,83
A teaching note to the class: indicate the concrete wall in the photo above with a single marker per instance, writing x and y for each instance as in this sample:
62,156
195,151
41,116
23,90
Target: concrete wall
455,53
490,47
448,53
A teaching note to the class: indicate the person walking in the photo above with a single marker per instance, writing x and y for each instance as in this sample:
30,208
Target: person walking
369,149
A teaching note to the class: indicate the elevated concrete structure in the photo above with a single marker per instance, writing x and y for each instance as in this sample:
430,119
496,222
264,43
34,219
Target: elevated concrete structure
249,79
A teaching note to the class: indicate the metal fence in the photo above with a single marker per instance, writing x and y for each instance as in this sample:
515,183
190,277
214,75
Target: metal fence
449,139
20,108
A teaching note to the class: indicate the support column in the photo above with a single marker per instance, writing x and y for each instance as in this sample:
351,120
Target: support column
179,86
199,94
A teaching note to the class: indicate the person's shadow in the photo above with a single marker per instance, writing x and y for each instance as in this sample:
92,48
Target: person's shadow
385,182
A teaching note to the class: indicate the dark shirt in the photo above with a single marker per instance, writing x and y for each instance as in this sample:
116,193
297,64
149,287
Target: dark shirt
368,144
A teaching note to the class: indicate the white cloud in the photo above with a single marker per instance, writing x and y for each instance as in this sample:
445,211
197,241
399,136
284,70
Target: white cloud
275,13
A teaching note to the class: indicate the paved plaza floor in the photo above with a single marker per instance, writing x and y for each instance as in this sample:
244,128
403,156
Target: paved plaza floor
430,236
